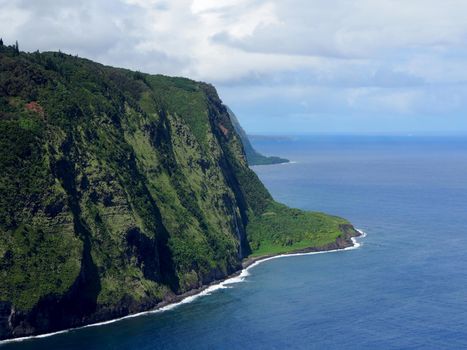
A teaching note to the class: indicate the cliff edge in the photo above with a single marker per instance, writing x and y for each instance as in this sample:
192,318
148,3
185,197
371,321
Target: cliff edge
120,190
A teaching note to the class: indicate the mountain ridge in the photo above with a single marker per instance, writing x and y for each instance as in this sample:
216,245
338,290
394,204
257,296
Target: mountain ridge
253,156
121,190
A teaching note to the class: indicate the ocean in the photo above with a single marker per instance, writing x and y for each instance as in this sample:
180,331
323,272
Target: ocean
405,287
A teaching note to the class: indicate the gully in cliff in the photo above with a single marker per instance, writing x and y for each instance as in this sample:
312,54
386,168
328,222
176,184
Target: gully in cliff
123,192
349,242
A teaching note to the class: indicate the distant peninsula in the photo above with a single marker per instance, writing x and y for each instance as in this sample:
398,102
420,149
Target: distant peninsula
253,157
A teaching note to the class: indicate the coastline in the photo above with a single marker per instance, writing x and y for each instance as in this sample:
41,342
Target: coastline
348,242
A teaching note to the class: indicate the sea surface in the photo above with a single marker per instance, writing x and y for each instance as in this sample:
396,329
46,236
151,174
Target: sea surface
404,288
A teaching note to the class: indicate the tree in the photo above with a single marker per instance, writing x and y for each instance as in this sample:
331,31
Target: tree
16,48
1,42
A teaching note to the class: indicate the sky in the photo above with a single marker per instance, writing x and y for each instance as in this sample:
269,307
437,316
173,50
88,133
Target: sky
283,66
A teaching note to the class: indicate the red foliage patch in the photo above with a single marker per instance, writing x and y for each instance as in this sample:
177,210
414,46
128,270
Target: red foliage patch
35,107
224,130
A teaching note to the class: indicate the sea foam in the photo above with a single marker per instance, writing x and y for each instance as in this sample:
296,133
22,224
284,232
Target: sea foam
208,291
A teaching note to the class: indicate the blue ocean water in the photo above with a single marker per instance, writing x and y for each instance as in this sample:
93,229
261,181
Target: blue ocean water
405,288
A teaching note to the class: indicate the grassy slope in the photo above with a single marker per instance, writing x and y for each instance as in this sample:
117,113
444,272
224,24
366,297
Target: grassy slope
281,229
126,186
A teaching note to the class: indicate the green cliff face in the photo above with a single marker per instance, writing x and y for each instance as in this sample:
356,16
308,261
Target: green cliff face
119,190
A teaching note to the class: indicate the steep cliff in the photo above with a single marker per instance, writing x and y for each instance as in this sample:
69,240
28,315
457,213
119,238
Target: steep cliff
119,190
252,156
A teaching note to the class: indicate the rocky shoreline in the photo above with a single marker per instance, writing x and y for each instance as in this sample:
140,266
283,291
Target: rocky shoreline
340,243
343,242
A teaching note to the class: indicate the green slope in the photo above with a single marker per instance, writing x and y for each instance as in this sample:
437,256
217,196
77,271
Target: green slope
120,190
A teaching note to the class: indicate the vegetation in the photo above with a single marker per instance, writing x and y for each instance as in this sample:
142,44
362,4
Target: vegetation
281,229
120,189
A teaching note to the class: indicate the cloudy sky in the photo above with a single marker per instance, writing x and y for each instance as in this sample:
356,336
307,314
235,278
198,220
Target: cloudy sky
284,66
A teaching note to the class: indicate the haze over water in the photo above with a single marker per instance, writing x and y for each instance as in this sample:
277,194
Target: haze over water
405,288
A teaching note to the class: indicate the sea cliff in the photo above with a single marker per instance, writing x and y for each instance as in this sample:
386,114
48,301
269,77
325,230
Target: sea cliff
120,191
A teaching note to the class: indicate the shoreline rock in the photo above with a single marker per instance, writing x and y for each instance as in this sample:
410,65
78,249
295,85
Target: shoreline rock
342,242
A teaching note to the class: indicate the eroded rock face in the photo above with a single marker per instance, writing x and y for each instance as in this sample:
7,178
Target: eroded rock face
5,314
119,190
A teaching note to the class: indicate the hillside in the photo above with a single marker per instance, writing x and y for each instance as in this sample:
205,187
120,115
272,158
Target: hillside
120,190
253,157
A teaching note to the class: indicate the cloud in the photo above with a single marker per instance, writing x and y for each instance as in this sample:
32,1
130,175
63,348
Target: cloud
335,56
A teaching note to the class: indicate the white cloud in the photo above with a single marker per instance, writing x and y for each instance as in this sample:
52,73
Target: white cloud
231,39
396,56
12,18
